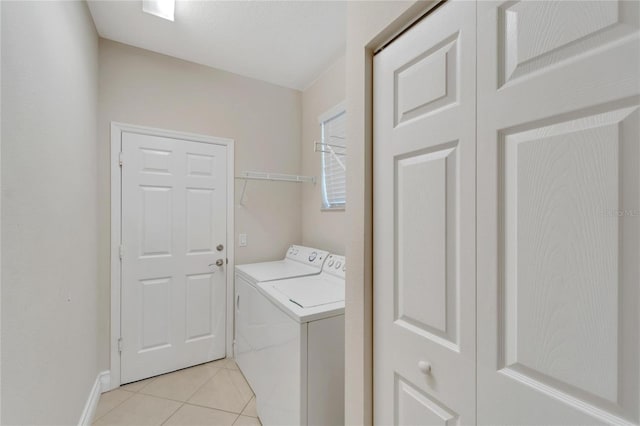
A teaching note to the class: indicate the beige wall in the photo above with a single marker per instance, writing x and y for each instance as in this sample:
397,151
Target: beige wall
369,24
322,229
144,88
49,237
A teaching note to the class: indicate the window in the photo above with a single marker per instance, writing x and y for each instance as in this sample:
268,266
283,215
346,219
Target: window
333,127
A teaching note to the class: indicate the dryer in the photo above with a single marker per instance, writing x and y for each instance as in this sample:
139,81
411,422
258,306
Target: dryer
300,380
250,319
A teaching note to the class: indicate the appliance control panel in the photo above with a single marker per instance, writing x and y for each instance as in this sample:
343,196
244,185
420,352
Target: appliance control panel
307,255
335,265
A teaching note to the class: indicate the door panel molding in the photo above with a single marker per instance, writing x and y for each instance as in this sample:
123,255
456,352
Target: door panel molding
156,163
437,321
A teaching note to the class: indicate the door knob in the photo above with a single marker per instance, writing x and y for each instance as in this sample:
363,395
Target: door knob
220,247
219,262
425,367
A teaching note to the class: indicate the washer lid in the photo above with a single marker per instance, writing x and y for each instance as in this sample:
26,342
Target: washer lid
312,293
276,270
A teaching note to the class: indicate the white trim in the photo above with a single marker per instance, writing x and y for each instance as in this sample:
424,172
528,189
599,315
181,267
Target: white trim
105,381
230,245
332,112
116,137
89,411
116,207
1,216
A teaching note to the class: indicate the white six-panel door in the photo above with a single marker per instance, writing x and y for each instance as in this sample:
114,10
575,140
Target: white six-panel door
174,195
424,223
558,212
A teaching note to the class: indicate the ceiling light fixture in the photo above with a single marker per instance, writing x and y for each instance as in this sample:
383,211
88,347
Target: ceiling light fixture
161,8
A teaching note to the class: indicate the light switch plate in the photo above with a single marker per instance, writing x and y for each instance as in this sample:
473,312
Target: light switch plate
242,240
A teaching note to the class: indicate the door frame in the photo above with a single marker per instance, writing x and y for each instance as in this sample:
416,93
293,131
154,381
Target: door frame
116,232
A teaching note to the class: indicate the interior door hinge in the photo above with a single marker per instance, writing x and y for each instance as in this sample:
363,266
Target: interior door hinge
120,344
120,159
121,252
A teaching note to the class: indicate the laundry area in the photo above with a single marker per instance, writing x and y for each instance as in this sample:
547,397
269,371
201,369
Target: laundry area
214,174
217,233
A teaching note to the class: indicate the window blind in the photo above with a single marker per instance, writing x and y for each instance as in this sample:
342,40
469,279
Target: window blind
334,176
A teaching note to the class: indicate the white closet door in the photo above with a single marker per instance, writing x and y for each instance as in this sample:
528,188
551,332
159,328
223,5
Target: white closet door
558,212
174,216
424,222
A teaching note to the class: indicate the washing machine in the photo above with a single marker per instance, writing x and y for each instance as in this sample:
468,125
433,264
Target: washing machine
300,379
250,319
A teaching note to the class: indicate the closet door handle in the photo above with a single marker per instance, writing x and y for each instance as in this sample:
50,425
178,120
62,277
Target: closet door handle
425,367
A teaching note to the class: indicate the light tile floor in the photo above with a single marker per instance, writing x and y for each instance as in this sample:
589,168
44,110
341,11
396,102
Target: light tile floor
215,393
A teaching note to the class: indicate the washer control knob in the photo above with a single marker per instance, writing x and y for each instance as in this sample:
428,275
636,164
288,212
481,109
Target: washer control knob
313,256
295,251
338,264
331,262
424,367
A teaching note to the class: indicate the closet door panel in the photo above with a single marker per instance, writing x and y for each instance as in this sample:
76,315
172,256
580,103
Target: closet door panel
558,212
424,222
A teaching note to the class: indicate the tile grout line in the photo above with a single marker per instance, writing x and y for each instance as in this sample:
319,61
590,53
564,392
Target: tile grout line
240,392
246,405
220,409
172,414
213,408
150,379
133,393
183,403
187,402
178,400
253,394
202,385
153,379
114,407
234,385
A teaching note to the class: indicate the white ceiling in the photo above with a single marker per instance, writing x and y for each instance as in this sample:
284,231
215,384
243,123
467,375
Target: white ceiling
289,43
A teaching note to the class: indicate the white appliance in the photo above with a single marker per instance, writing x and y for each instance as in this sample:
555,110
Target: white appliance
300,354
249,319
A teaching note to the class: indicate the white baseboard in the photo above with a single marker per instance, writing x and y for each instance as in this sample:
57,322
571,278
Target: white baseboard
101,384
105,381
